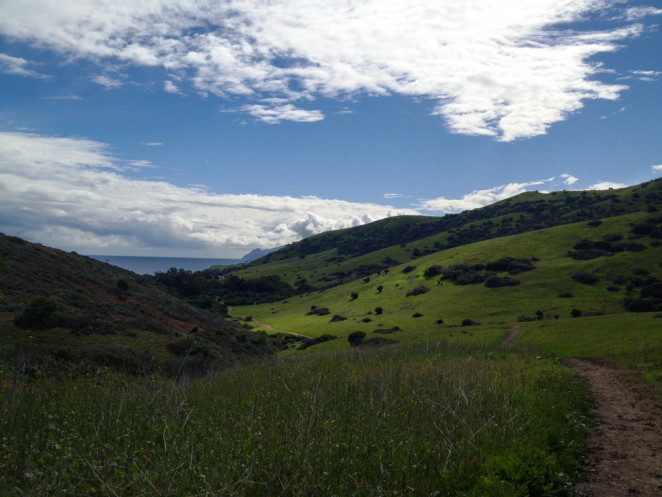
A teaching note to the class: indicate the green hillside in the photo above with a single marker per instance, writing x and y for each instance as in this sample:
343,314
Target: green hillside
336,257
540,278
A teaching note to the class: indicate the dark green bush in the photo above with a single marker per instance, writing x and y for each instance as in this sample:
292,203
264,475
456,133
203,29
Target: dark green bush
356,338
40,313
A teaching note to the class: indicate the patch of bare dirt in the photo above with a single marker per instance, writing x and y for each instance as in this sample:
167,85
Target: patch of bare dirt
627,448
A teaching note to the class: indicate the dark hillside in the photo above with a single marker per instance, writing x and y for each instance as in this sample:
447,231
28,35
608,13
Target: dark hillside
62,306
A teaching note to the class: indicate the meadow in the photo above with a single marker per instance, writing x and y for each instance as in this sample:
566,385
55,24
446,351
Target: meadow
438,418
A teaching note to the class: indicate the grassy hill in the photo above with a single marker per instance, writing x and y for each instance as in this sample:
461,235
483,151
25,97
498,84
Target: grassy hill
549,278
59,308
340,256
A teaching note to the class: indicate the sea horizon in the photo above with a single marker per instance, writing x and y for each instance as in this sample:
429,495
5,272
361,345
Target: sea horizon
149,265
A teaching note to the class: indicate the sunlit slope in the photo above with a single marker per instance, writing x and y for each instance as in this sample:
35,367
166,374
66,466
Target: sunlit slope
548,291
344,255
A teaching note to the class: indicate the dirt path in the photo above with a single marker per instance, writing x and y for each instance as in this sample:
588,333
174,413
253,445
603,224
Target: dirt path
271,328
627,456
514,331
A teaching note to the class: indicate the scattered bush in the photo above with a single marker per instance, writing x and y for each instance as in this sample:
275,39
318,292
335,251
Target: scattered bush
387,331
494,281
354,295
575,313
470,322
356,338
420,290
318,311
417,315
378,310
408,269
433,271
439,321
566,295
336,318
585,278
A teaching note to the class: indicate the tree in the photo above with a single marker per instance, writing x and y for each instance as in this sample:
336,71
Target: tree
354,295
378,310
380,288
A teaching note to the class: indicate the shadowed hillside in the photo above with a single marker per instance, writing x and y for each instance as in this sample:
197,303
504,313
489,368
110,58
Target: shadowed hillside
62,307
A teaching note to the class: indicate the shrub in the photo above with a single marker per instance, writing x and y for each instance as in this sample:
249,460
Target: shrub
470,322
336,318
408,269
575,313
38,314
380,288
387,331
585,278
318,311
378,310
566,295
417,315
433,271
494,281
354,295
439,321
356,338
420,290
122,285
642,305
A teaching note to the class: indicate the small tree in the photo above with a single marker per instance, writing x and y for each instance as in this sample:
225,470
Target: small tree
575,313
380,288
378,310
354,295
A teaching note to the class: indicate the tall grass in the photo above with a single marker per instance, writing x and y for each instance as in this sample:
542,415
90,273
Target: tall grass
433,419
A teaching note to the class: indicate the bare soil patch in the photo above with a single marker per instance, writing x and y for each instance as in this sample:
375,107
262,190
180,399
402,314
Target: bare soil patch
626,459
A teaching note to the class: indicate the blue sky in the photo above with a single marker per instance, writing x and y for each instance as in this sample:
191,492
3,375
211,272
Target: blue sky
207,129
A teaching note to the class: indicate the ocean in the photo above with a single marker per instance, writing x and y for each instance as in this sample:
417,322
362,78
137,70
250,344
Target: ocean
149,265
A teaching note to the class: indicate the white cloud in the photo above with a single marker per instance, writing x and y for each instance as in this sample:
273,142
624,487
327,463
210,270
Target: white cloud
478,198
606,185
71,193
498,68
657,169
18,66
171,87
287,112
153,144
108,82
569,179
647,76
637,13
394,195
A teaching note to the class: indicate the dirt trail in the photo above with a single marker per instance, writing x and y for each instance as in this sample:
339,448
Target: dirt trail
271,328
627,456
514,331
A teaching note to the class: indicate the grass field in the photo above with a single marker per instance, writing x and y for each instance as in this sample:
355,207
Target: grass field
438,418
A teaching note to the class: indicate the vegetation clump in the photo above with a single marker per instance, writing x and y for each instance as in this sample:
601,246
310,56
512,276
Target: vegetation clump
419,290
318,311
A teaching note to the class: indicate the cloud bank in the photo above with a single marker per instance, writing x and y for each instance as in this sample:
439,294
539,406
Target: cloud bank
71,193
501,68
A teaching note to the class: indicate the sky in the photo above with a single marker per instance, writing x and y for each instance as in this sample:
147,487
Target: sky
192,128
